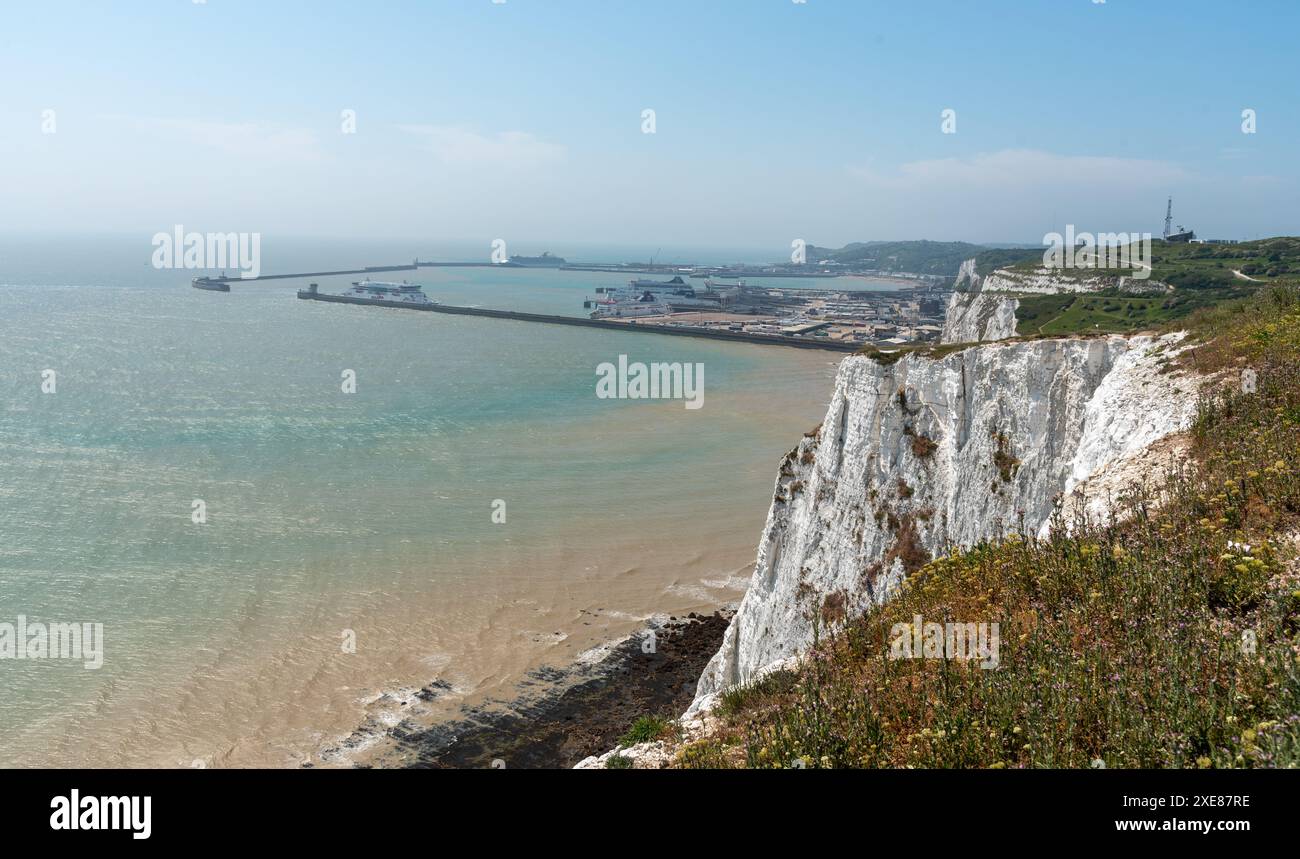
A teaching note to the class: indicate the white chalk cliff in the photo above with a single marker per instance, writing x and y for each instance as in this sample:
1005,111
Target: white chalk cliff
983,307
975,316
928,454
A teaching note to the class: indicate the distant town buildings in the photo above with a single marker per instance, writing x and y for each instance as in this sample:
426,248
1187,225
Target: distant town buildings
913,313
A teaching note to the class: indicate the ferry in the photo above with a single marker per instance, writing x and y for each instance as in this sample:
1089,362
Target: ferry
376,292
395,293
546,260
676,285
610,309
642,297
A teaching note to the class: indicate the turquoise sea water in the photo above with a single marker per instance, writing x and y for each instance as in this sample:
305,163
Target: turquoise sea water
329,511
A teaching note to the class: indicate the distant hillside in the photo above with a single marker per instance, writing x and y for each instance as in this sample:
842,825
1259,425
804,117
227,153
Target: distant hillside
990,260
919,257
1192,266
1202,276
1209,266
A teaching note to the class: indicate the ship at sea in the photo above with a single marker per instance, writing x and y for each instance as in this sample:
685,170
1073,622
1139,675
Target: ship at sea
210,283
546,260
376,292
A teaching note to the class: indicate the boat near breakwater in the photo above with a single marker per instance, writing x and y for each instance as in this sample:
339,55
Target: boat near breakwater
210,284
375,292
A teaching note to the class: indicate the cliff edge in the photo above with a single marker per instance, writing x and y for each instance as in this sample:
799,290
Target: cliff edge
925,455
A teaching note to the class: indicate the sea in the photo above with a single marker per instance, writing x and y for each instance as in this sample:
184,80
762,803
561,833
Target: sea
286,516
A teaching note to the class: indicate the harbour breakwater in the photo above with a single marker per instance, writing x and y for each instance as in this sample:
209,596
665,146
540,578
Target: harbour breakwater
608,325
370,269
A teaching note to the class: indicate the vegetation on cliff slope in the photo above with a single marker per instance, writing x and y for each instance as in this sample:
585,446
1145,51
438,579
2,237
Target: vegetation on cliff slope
1201,276
1114,312
1203,265
1168,636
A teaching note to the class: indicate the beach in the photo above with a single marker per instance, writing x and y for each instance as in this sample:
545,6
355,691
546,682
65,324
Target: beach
564,715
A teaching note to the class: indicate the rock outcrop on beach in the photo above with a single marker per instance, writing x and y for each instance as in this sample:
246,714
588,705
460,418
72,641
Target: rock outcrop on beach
925,454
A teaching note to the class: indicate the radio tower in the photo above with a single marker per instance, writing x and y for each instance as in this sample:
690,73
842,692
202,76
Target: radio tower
1169,217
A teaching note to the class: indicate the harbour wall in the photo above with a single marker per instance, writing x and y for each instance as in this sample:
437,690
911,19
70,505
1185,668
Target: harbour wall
518,316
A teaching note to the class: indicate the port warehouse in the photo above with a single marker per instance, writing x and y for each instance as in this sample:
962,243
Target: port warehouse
608,325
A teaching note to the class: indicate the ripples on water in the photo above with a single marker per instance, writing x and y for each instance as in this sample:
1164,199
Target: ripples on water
329,511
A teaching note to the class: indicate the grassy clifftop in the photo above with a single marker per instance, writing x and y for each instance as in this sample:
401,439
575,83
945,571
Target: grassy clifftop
1114,312
1201,275
1206,266
1166,637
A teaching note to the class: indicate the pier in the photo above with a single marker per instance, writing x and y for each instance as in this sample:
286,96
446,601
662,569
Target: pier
608,325
370,269
600,268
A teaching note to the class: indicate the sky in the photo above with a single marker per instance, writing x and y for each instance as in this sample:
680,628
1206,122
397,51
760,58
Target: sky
525,120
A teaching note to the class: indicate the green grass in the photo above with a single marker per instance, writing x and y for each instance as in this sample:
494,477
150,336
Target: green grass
1200,265
893,356
1201,275
1206,266
740,698
646,729
1120,641
1111,311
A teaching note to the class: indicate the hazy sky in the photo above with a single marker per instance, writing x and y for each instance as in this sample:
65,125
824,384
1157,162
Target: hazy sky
774,120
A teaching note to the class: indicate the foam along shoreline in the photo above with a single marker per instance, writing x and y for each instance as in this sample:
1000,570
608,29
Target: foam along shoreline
560,716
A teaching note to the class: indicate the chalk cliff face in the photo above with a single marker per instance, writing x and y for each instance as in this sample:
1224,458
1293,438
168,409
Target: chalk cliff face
986,309
926,454
1046,281
972,315
975,316
968,276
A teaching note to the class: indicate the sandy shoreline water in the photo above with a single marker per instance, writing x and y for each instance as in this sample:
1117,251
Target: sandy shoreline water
284,705
563,715
226,652
592,678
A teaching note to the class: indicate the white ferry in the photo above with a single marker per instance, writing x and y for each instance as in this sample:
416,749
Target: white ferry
393,293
